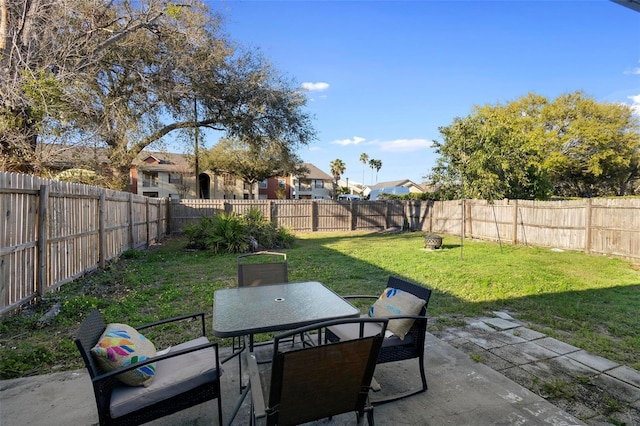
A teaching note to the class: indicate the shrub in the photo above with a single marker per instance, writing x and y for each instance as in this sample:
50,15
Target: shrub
232,233
227,234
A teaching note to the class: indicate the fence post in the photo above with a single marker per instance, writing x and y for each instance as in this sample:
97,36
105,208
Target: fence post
159,232
386,214
514,236
168,216
351,215
102,240
43,233
314,215
131,221
431,205
467,217
587,226
148,219
271,219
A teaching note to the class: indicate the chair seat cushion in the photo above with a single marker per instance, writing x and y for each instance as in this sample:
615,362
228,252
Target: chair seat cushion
173,376
392,302
352,331
120,346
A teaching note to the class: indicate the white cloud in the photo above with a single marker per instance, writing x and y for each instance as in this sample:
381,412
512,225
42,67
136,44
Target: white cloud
315,87
344,142
314,148
635,104
405,145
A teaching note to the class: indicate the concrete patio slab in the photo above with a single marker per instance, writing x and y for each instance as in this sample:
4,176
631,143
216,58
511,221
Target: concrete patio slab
461,392
594,361
556,345
524,333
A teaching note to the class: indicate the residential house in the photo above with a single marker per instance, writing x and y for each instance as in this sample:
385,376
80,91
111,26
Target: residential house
315,184
273,188
161,174
406,183
158,174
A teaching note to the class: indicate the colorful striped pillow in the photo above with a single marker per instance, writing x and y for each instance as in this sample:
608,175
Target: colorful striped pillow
120,346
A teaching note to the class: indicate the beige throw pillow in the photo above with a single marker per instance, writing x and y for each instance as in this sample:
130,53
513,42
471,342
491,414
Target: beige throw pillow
392,302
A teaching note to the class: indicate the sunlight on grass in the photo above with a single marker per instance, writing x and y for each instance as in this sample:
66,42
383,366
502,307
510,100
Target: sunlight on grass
588,301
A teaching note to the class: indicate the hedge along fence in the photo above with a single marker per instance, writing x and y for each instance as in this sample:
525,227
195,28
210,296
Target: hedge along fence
52,232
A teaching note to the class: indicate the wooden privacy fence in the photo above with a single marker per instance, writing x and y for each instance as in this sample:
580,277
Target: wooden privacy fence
600,225
52,232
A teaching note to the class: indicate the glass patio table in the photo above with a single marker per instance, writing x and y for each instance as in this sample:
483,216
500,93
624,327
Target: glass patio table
244,311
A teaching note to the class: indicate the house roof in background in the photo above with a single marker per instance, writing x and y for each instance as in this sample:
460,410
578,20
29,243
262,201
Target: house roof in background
402,182
153,161
71,156
315,173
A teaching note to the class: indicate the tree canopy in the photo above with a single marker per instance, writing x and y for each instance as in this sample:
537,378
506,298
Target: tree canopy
123,74
533,148
250,161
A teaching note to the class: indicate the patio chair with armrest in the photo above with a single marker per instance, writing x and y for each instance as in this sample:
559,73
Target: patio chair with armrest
186,375
393,347
318,381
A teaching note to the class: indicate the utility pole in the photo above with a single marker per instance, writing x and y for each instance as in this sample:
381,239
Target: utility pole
195,148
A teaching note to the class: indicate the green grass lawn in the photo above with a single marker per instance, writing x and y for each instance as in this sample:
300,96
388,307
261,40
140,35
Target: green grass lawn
588,301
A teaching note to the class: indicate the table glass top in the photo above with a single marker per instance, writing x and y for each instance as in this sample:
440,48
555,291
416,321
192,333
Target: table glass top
250,310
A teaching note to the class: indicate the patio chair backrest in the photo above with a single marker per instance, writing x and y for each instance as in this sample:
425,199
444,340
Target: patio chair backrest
252,273
88,335
420,292
322,381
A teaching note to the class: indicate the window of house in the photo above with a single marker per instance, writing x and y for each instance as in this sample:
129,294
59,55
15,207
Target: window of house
282,183
150,179
319,183
175,178
229,179
263,184
150,194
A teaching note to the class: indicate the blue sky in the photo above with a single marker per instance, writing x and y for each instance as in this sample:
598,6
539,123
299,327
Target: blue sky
384,75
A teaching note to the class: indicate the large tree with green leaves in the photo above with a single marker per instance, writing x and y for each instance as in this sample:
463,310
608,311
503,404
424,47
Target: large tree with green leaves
532,148
251,161
592,148
141,70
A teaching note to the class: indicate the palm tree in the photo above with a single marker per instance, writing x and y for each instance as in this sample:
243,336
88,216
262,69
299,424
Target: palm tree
337,169
377,165
363,159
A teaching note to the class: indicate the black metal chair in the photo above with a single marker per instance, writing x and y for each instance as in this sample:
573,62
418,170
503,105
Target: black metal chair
315,382
174,387
252,271
393,348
